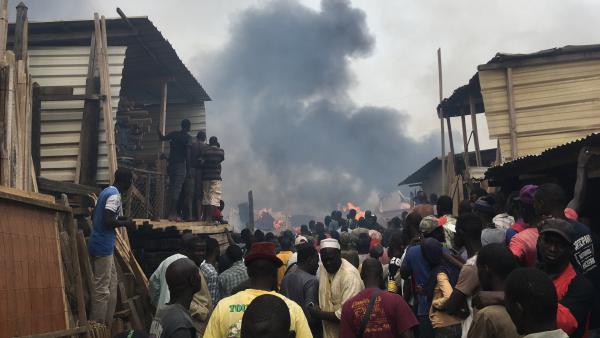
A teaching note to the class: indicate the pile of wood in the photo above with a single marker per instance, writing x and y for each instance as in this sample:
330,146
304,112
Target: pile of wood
153,241
16,163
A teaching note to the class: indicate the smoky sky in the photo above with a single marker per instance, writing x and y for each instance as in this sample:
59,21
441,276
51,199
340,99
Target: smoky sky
282,111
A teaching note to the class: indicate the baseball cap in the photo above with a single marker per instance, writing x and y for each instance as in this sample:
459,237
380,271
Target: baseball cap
428,224
527,193
299,240
559,227
262,250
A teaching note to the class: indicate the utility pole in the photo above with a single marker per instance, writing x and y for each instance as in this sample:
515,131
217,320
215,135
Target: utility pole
441,116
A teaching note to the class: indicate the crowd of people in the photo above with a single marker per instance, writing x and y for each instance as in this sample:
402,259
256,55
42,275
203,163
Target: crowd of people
522,264
194,170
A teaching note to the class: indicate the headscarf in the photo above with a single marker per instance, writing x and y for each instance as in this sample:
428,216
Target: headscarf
433,254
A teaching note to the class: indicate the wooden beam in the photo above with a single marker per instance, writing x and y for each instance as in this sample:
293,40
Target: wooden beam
473,111
543,60
105,91
72,230
87,159
160,164
450,136
440,115
251,211
512,115
66,187
20,198
5,127
3,29
465,142
36,127
21,33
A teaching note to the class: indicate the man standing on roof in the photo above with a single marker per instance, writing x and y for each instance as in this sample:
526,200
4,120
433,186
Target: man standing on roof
212,156
179,163
107,216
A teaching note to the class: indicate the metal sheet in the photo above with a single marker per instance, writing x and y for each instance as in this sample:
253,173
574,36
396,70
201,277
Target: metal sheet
61,120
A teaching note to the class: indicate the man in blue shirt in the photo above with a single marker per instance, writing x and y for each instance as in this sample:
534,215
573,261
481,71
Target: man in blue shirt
107,216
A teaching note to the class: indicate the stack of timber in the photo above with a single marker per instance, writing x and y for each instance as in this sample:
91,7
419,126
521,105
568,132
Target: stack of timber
16,163
153,241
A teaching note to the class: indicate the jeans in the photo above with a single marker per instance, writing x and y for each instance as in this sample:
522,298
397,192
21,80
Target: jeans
425,328
104,293
452,331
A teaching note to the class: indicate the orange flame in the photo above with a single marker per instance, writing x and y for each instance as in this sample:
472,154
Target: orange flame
359,212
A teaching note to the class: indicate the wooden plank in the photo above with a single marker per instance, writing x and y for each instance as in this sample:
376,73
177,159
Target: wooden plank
3,29
160,164
87,159
450,135
9,179
36,125
473,111
72,229
62,333
56,90
5,121
28,194
440,115
512,116
21,32
49,185
250,211
86,265
107,104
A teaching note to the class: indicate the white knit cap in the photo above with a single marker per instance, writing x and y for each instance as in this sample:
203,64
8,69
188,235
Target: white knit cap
330,243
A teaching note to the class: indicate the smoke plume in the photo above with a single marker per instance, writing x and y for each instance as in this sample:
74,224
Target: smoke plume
282,112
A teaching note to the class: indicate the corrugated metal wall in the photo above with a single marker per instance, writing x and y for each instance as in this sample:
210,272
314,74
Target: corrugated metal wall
61,120
554,104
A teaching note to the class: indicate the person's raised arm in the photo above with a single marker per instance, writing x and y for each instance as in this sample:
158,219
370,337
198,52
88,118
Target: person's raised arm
581,182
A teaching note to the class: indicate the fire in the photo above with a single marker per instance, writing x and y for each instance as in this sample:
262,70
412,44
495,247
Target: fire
359,212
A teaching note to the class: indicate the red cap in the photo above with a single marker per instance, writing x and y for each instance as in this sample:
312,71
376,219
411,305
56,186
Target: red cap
262,250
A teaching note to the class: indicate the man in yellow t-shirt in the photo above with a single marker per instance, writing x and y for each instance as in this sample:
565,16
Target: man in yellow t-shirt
262,263
284,255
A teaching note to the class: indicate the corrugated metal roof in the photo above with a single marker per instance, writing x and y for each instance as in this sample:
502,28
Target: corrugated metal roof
139,66
61,120
424,173
458,103
550,157
552,55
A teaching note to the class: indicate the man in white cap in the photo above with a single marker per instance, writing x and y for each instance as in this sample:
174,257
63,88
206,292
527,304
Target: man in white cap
338,281
291,264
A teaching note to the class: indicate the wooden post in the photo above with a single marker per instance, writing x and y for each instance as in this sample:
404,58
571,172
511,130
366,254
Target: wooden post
5,127
450,136
160,164
87,161
250,211
107,103
473,111
466,174
36,125
3,30
465,141
9,179
21,33
72,229
512,116
441,113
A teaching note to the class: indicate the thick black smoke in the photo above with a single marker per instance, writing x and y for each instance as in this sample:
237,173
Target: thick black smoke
283,114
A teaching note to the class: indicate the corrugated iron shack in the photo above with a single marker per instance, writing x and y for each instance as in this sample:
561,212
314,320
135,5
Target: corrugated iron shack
537,101
145,72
